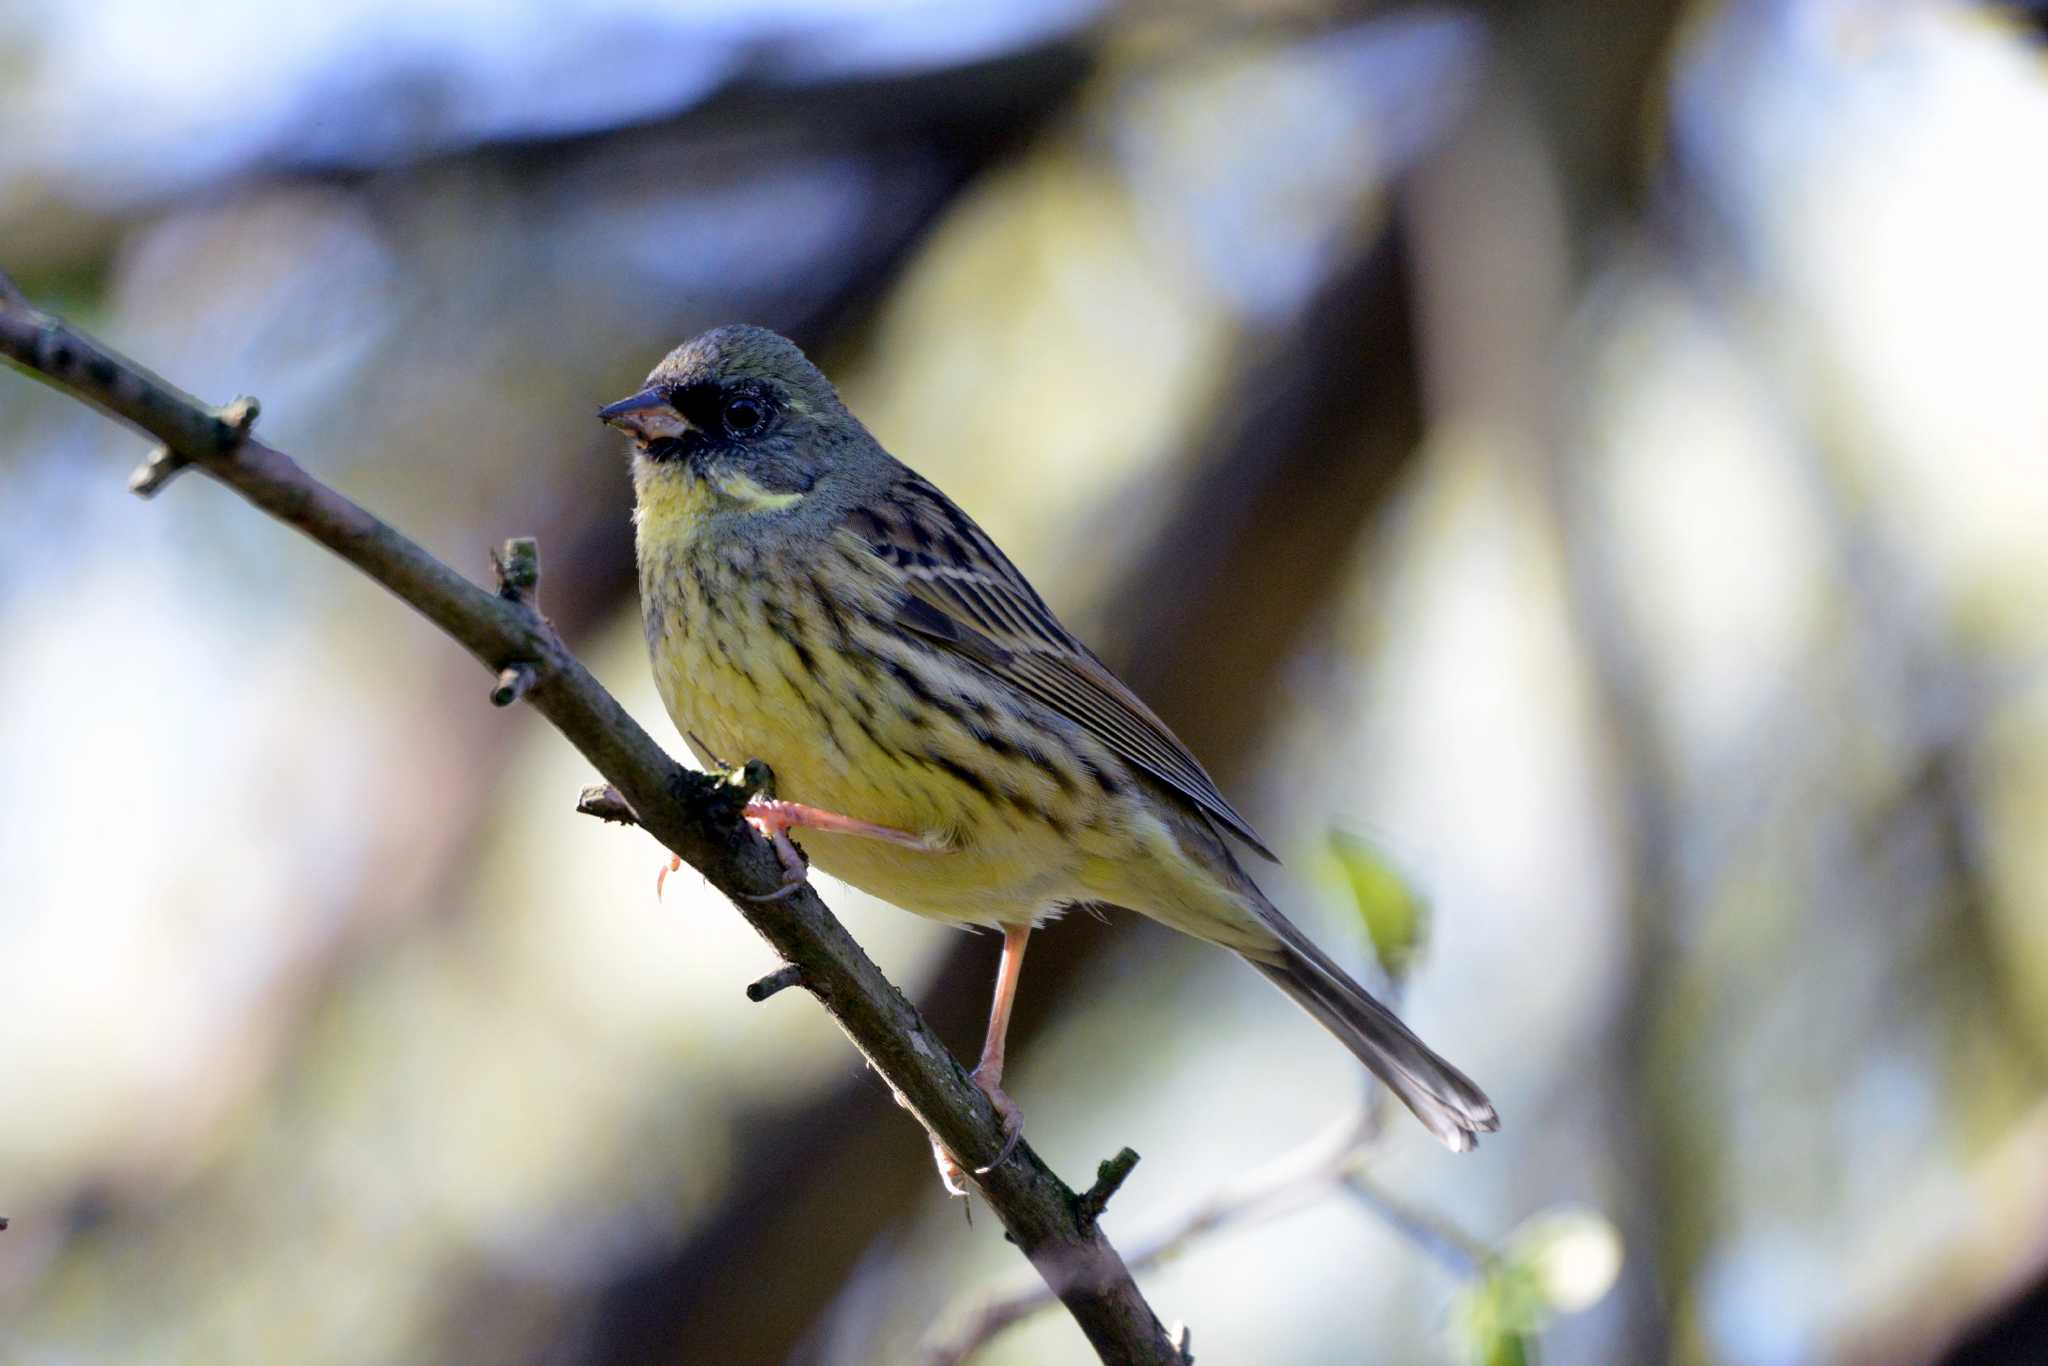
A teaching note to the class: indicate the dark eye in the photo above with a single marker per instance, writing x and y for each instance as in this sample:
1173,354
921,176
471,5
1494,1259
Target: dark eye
744,416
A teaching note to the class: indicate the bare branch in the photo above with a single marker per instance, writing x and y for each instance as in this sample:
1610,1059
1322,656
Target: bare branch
695,816
1458,1251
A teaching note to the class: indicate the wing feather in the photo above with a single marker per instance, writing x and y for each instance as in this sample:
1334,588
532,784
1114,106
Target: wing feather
963,593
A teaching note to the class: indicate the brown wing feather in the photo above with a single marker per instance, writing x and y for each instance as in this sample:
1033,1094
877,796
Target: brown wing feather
963,593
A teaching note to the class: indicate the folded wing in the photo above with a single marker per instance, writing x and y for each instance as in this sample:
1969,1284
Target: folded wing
962,593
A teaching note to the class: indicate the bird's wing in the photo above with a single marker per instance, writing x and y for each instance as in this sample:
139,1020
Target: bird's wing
962,593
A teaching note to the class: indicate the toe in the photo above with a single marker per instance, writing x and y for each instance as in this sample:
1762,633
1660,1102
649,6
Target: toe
1011,1115
794,868
951,1174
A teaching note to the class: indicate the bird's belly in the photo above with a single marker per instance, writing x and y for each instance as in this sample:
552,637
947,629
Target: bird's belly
827,750
977,885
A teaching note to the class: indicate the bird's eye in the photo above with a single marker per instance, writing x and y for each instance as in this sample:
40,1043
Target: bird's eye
744,416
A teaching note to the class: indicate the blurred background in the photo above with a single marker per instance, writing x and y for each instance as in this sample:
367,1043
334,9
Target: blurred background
1592,452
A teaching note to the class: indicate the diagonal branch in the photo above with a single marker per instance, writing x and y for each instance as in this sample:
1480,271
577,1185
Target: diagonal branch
696,817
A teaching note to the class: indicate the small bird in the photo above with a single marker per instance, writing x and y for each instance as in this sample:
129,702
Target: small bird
943,741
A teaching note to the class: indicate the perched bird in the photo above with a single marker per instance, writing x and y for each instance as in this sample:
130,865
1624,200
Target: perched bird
945,743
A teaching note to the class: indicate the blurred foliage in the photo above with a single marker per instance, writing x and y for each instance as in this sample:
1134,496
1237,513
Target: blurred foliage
1560,1262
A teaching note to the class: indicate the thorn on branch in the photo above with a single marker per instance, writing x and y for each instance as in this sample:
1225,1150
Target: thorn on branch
518,566
603,801
1109,1179
787,976
514,682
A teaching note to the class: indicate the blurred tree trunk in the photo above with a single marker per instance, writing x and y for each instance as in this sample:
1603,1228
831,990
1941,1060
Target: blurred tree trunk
1586,74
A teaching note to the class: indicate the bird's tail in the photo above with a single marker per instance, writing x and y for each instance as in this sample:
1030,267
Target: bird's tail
1441,1096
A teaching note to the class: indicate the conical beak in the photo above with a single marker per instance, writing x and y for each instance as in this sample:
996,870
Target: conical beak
646,415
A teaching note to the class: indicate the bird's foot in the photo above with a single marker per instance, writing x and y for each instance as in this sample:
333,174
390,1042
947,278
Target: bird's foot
951,1173
774,819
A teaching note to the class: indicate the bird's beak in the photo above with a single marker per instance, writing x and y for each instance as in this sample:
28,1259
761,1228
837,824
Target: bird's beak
646,415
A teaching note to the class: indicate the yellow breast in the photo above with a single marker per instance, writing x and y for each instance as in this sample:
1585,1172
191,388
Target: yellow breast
777,658
789,656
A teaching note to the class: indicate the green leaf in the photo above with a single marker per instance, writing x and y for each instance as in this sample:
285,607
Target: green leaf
1498,1318
1395,916
1511,1349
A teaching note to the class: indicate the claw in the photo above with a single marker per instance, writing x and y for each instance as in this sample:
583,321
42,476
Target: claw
1012,1117
674,864
954,1176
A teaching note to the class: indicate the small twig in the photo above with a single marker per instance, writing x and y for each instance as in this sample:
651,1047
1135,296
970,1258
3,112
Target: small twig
517,563
1456,1250
787,976
1109,1179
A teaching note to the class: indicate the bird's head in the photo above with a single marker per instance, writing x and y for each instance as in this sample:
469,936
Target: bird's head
739,410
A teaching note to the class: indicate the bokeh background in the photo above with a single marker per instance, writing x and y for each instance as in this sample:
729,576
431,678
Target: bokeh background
1593,451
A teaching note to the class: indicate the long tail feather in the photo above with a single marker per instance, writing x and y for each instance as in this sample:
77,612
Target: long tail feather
1441,1096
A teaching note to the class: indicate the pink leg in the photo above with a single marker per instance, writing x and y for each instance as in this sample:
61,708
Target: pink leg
775,819
771,817
988,1073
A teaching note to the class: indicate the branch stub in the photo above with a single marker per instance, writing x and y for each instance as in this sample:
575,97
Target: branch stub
603,801
152,474
518,566
514,682
1109,1179
787,976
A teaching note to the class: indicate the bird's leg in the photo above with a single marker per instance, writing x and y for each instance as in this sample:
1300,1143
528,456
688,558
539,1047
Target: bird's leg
774,819
988,1073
